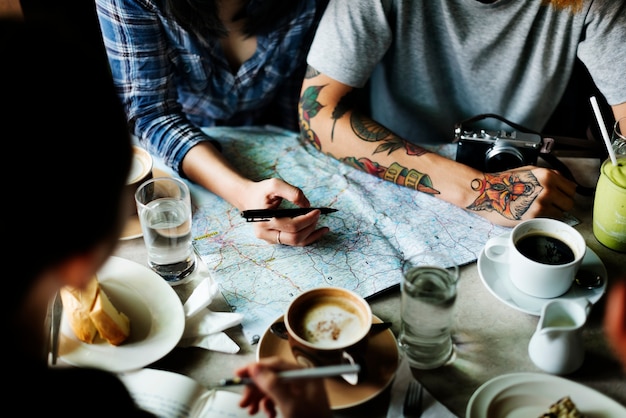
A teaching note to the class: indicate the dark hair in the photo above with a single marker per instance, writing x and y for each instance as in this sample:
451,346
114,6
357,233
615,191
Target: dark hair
66,134
201,16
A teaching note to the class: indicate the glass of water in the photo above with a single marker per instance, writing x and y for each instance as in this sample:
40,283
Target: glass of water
428,298
164,209
618,141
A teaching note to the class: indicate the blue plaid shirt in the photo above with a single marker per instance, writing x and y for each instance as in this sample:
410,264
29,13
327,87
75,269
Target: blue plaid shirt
171,84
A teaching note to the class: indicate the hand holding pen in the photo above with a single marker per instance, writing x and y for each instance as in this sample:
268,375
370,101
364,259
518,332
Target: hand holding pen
292,230
304,373
264,215
295,397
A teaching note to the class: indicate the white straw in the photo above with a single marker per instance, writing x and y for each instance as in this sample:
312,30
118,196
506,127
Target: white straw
605,134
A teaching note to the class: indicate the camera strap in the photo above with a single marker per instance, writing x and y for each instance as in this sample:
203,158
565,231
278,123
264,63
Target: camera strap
572,146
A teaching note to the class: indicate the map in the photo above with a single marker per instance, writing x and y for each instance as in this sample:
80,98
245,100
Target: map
378,224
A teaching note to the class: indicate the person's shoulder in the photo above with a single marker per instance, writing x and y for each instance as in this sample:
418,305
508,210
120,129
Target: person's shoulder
79,392
321,4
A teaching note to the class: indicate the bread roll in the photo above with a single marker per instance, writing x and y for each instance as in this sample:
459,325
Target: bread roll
77,305
112,325
90,312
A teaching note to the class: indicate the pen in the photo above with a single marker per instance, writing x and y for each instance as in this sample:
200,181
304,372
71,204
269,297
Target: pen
263,215
307,373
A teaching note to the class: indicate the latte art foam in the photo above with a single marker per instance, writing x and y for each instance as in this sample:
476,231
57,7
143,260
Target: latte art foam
330,326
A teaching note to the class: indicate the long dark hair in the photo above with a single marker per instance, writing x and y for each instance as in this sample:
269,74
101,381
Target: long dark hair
201,17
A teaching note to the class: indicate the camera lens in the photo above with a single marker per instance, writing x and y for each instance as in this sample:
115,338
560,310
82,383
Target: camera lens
502,157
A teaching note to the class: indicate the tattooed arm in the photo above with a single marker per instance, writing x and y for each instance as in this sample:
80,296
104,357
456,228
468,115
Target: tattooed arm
334,126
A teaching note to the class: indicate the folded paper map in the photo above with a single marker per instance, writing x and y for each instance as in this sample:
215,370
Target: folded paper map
377,225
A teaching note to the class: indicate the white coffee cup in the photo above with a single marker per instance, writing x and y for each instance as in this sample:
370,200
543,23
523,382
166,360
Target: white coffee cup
327,326
542,255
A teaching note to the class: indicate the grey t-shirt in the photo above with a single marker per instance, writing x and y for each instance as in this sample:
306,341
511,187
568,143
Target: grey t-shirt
434,63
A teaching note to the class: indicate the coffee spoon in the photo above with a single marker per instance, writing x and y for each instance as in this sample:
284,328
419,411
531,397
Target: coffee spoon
588,279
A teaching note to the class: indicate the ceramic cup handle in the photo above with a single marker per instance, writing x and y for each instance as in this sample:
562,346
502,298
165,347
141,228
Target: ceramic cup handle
497,249
353,378
309,359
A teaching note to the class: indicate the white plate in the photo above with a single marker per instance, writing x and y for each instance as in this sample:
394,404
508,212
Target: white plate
518,395
496,279
157,320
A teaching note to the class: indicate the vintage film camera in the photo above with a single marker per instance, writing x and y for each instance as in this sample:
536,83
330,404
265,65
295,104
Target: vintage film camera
498,150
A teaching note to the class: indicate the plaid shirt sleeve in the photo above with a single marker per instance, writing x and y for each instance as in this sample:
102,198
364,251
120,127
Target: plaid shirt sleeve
138,55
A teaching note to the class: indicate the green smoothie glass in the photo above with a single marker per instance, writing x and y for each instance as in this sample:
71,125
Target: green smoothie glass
609,209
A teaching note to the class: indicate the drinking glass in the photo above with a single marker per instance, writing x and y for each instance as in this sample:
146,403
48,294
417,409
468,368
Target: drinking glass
609,206
164,209
618,139
428,295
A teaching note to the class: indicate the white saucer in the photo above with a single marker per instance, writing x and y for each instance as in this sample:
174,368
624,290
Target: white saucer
132,228
496,279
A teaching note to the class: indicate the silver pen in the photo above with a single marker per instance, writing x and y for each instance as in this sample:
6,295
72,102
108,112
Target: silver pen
306,373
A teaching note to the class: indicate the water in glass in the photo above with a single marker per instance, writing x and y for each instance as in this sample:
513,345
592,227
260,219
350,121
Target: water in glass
427,304
167,233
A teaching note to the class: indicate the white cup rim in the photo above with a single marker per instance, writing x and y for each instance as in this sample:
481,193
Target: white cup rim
578,247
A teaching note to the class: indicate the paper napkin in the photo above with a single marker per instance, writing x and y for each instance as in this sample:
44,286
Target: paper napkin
203,327
215,342
208,322
201,297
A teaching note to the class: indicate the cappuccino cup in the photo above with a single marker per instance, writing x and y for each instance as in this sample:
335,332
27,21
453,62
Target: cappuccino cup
543,256
329,326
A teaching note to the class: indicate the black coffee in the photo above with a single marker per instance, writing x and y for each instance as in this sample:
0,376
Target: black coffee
545,249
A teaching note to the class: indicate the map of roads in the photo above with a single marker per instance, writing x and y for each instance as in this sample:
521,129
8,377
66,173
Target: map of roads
377,225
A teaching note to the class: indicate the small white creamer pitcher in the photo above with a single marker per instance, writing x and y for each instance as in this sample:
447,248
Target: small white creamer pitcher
557,346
